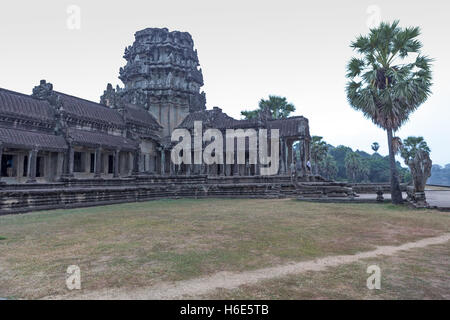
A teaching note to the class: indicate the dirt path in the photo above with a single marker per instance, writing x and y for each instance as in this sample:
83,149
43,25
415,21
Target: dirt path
228,280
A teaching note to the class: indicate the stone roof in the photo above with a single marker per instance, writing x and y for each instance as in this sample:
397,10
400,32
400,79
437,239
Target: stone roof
141,117
290,127
20,105
16,138
215,118
89,110
96,139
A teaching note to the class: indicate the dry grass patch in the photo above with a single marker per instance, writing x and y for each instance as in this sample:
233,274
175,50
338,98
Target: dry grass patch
140,244
416,274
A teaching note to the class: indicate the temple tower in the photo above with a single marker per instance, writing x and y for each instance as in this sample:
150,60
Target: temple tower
162,75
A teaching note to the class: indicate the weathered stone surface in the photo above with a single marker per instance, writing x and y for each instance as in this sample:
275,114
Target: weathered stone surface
420,167
162,75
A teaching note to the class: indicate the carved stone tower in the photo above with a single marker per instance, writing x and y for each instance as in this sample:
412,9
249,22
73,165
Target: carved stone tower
162,76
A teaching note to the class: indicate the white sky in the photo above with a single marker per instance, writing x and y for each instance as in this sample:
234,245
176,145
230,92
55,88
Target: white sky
247,50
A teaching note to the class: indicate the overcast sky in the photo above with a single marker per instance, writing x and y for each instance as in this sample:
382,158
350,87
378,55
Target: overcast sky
247,50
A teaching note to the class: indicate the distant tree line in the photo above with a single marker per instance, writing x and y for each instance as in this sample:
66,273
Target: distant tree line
440,175
341,163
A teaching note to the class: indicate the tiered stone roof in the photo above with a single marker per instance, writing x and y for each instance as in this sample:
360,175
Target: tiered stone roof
17,138
216,118
49,120
98,139
18,105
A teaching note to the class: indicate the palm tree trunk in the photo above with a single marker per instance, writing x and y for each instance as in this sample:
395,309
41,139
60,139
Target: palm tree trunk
396,193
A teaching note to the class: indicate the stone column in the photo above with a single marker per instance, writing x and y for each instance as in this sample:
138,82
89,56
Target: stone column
19,172
235,165
171,168
136,157
69,161
222,166
32,160
282,156
130,163
163,162
59,168
98,163
1,156
116,163
188,169
302,156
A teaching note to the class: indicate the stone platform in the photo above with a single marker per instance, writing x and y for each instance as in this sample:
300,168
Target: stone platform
72,193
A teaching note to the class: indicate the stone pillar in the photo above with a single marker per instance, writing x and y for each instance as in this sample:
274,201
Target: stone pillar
1,155
289,156
32,160
282,156
302,156
130,163
171,168
235,165
116,163
188,169
136,157
163,162
60,165
69,161
19,172
98,163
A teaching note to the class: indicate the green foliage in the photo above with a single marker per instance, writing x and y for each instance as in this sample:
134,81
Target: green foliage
373,168
328,167
319,150
375,146
411,145
357,169
278,107
383,84
253,114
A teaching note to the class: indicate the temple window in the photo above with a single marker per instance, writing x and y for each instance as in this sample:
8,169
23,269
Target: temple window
77,162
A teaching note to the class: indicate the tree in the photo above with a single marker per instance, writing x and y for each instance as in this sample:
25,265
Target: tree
278,106
353,165
375,146
416,153
319,150
328,167
411,145
339,153
387,84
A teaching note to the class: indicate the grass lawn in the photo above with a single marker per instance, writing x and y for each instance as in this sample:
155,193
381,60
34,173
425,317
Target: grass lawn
416,274
142,244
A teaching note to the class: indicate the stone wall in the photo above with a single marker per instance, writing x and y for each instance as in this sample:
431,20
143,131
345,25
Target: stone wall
71,193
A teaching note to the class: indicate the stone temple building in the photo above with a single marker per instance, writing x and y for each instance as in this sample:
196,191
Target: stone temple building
58,150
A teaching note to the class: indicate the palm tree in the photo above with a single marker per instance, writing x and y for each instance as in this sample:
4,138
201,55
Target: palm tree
319,150
387,84
375,146
411,145
328,167
278,106
353,165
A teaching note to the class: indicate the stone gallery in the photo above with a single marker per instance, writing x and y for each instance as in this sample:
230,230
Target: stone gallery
58,150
